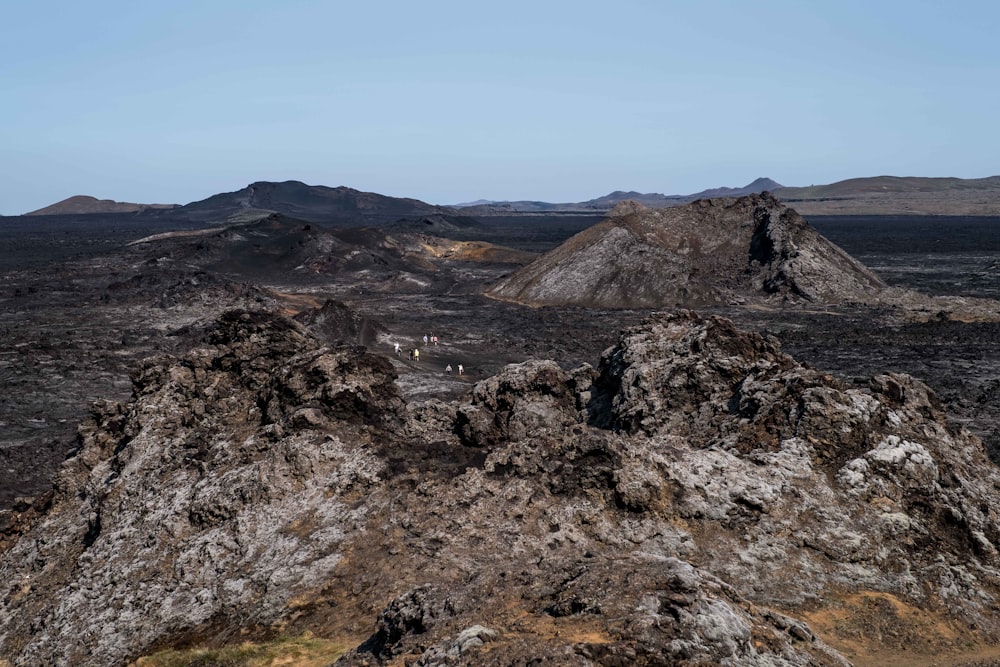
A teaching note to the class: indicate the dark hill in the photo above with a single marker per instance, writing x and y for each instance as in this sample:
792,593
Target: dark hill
438,224
313,203
708,252
289,251
83,204
756,187
654,199
281,248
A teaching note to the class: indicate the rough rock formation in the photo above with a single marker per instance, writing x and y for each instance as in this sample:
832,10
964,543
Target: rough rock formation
700,498
212,495
278,246
708,252
336,324
285,250
166,288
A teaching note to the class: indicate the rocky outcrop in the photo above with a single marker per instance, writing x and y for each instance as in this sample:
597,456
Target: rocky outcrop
173,289
336,324
708,252
285,250
860,483
698,498
218,492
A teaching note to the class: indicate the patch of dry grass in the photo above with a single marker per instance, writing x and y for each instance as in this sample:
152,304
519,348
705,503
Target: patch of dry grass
877,629
302,651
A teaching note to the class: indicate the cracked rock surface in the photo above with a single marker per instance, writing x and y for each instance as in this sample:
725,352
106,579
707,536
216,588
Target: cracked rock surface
698,498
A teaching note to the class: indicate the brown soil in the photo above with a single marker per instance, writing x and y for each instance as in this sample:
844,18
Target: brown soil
874,629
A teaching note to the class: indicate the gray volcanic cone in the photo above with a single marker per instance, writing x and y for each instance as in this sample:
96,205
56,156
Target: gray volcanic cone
708,252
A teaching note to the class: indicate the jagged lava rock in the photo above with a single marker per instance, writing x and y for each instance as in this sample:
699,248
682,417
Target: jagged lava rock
711,251
692,500
335,323
217,492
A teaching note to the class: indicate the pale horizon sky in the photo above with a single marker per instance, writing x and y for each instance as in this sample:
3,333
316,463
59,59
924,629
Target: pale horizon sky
452,101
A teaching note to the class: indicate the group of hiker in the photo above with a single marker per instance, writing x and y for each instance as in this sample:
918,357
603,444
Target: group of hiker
414,353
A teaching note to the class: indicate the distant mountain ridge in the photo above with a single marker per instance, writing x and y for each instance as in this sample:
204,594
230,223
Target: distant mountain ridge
295,199
898,195
890,184
755,187
878,195
610,200
84,204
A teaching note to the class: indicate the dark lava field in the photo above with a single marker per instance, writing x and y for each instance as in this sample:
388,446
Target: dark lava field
80,308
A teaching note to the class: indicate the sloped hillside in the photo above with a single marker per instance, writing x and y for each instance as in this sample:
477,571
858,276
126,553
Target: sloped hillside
315,203
84,205
708,252
895,195
283,249
700,498
891,184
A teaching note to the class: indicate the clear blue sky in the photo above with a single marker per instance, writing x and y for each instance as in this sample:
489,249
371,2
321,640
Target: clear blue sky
170,102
